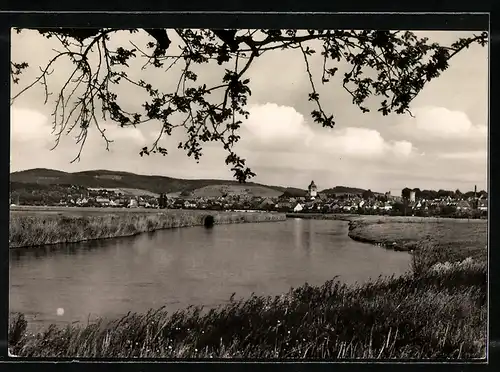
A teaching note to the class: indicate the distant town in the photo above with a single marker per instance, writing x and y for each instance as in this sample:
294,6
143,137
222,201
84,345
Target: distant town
411,202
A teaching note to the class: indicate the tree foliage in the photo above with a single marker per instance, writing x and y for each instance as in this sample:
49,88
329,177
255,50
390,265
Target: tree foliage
392,66
368,194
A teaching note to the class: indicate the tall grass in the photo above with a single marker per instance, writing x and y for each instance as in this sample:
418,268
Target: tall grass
34,230
437,310
388,318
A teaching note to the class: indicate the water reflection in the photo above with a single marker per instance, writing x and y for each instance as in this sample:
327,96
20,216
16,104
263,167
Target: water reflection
298,231
186,266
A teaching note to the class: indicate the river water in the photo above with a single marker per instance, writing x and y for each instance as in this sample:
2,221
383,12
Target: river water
179,267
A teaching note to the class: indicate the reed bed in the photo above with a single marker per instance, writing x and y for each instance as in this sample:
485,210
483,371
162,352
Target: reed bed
40,229
438,310
385,319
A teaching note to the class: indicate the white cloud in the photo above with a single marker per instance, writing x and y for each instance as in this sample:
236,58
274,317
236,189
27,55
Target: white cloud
116,133
362,143
28,124
467,155
402,148
274,128
440,123
277,127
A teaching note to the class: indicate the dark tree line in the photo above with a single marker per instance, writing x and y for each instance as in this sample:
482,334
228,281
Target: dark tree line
440,194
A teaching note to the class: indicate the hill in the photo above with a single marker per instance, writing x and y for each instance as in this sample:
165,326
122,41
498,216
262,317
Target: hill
131,183
227,190
343,190
154,184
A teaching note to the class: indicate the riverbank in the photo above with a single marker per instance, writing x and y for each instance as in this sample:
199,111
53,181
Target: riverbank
376,218
459,238
36,227
387,319
322,216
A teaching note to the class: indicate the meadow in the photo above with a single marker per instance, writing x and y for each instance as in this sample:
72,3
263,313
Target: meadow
456,238
384,319
40,226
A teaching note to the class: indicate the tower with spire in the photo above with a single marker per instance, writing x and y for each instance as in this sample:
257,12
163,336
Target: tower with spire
313,190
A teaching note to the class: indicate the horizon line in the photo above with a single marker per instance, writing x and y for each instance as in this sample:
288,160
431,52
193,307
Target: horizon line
226,180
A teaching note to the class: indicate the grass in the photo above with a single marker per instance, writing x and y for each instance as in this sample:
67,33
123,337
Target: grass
457,238
323,216
34,228
385,319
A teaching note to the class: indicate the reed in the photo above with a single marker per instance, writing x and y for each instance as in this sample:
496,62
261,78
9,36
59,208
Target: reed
437,310
385,319
27,230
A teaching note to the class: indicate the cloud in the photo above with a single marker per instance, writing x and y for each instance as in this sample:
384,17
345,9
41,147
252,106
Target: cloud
28,124
466,155
116,133
274,128
402,148
439,123
363,143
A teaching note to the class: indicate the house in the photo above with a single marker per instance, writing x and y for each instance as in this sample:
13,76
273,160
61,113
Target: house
298,208
482,205
334,207
463,205
189,204
266,204
133,203
102,200
284,206
81,201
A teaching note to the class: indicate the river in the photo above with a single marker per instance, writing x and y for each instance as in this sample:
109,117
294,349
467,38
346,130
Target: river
179,267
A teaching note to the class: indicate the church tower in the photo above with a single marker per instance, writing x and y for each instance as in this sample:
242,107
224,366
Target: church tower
313,190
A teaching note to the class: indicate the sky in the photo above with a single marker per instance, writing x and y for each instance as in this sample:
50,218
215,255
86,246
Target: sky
443,146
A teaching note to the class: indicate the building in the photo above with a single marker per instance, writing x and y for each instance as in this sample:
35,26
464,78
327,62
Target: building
102,200
483,205
463,205
298,208
313,190
412,196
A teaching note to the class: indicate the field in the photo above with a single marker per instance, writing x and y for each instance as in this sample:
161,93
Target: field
246,190
131,192
126,180
39,226
385,319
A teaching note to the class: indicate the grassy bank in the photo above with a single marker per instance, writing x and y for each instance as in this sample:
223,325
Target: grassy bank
321,216
388,319
33,228
458,238
385,319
